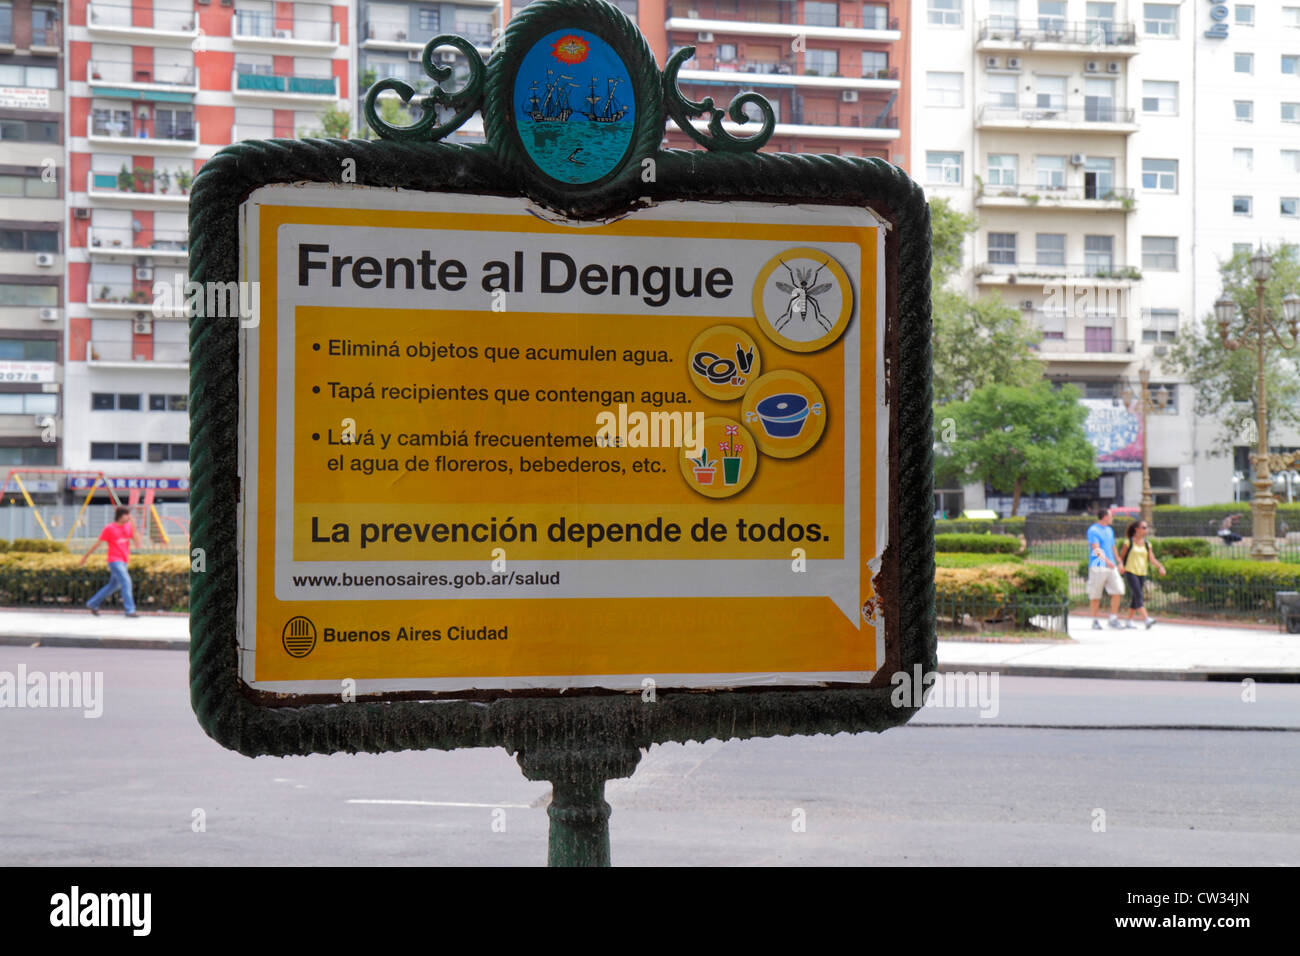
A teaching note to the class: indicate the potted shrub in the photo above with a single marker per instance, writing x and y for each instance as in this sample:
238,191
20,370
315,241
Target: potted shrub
164,178
124,179
183,180
104,294
703,468
143,179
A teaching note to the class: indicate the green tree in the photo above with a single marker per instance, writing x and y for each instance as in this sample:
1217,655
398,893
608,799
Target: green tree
1225,380
1019,439
335,123
975,341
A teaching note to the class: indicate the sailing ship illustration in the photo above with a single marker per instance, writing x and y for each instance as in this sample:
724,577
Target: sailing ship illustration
611,111
553,106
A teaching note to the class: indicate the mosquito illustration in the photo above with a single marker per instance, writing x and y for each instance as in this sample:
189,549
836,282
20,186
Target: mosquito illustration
803,296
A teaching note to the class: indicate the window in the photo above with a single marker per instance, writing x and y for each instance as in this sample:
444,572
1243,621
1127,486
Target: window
1242,249
40,77
1160,175
1244,14
945,13
1051,15
429,19
29,131
1241,205
1100,16
727,52
1049,172
1099,330
1051,248
1160,96
161,452
6,23
1099,177
1099,254
1243,160
820,14
28,403
1049,92
1290,64
1160,19
1002,248
1291,160
1244,110
28,455
944,89
875,16
168,403
1003,14
1052,323
110,401
875,64
1290,206
28,350
1291,112
1291,16
1003,90
33,187
1160,253
29,240
943,168
115,451
1002,169
15,294
1243,63
1160,325
821,63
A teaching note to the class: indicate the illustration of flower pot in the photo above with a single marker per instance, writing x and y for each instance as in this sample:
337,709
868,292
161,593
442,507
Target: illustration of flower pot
704,475
730,455
783,416
730,469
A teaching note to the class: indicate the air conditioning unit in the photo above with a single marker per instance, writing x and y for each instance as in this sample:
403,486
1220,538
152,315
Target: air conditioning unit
144,274
991,62
1026,305
447,57
142,325
80,213
1078,159
692,14
1091,66
705,37
45,259
1112,66
43,421
849,96
284,34
1013,63
50,314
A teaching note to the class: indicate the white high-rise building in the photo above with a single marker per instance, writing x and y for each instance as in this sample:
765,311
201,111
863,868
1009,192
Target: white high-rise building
1116,153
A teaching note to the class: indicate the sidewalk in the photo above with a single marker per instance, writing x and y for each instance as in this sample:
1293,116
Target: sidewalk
1166,652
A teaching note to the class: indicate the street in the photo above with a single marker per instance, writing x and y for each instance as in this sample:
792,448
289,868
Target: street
1213,783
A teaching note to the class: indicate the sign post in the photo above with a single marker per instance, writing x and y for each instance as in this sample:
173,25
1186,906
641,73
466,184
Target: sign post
563,443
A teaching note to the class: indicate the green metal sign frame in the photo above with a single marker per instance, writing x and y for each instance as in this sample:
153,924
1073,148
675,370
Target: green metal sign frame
577,741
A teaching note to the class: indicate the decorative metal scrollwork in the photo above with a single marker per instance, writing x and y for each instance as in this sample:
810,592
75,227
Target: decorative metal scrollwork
465,101
683,111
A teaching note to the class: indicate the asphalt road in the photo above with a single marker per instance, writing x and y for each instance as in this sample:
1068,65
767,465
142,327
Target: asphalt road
1181,773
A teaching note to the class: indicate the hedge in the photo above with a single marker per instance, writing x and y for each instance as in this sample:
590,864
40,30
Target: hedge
972,526
159,581
979,543
1180,547
967,559
1007,590
37,545
1224,583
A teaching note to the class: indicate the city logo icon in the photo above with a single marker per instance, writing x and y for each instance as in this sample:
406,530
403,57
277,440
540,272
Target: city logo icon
298,636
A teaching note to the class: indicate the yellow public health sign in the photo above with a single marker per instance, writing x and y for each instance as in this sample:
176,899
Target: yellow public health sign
484,449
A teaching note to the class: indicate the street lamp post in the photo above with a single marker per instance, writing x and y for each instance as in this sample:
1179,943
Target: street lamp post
1157,400
1259,325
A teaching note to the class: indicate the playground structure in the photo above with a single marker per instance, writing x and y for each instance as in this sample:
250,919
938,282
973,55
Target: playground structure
139,498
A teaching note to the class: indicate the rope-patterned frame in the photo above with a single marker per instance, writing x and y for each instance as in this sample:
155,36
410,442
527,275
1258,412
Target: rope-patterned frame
613,722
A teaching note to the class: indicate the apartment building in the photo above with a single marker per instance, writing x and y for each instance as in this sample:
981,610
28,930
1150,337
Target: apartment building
155,88
1096,141
32,186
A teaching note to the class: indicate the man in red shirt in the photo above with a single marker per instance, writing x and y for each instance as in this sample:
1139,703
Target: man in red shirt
119,536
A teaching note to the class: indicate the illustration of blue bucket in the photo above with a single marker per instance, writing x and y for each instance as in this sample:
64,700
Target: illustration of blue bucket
783,416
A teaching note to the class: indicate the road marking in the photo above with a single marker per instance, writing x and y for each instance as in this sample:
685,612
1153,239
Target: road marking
446,803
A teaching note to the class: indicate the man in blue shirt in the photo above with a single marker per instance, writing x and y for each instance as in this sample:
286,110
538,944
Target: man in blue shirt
1103,569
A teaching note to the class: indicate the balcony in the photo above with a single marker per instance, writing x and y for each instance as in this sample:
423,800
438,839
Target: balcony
396,35
120,21
1088,119
238,133
149,136
787,71
264,86
256,30
1035,273
132,300
1056,197
47,39
1050,35
107,241
122,74
114,189
1099,346
166,355
780,21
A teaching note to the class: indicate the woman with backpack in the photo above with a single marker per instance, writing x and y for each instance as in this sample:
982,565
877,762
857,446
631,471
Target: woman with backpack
1136,557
